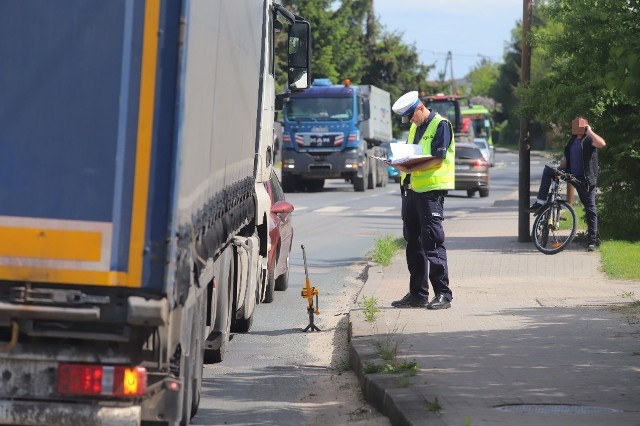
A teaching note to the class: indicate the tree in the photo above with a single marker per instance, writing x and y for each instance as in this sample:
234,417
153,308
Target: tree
592,55
483,77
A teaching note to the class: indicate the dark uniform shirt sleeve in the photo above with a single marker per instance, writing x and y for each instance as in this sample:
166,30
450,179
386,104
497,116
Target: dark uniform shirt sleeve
441,140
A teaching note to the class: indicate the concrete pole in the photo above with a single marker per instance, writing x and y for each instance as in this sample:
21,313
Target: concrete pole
524,233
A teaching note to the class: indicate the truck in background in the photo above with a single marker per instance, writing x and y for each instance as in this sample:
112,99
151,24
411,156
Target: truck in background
449,106
330,131
480,120
133,217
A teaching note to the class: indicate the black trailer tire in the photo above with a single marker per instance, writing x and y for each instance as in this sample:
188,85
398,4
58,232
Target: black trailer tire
282,282
269,291
484,192
222,326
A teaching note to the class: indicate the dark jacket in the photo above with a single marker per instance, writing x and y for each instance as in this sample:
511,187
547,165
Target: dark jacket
589,160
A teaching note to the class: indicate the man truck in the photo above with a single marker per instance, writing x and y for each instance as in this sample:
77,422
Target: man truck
135,139
330,131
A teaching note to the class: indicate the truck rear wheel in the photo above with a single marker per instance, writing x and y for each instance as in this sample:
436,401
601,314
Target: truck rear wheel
218,341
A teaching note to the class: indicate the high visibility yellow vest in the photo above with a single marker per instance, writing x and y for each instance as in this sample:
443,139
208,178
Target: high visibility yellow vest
442,177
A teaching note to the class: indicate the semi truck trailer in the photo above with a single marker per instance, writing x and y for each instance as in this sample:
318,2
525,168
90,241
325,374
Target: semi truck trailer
135,138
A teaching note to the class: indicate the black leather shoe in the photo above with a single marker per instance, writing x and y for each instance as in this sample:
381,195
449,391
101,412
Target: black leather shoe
439,302
534,207
409,301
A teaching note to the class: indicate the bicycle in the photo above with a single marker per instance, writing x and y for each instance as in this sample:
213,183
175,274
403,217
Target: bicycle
555,224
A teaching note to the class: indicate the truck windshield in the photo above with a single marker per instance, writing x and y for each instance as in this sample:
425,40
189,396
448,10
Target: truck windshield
447,109
319,109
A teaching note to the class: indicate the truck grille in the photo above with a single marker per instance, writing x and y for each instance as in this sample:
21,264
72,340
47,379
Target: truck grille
319,140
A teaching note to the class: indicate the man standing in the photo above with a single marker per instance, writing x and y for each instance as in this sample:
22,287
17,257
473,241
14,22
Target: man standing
581,160
423,190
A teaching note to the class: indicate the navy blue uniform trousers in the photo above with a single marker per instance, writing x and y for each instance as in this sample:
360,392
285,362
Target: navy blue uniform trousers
422,216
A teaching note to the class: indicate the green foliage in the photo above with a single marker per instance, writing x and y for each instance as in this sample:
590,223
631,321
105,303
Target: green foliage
483,77
370,307
589,50
620,259
405,368
385,249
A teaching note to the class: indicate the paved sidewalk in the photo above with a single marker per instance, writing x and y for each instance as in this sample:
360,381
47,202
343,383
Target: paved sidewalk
530,339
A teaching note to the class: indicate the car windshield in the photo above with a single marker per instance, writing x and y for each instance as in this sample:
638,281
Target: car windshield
481,144
319,109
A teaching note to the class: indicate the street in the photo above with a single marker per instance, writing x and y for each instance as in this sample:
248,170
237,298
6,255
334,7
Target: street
276,374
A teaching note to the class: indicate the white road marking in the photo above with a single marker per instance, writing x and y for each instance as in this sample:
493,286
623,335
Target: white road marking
331,209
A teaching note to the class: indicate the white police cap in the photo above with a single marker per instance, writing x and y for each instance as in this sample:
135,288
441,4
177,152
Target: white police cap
405,105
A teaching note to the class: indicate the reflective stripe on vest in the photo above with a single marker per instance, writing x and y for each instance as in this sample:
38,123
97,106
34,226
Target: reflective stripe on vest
441,178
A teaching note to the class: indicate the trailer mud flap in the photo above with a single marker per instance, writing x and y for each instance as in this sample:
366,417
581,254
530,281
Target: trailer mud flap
55,414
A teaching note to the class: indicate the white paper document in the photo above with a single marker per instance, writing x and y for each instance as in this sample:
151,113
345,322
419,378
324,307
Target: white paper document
405,155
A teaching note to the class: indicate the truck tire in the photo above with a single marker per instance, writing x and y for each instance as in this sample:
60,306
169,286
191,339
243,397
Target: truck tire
384,178
271,286
373,177
218,341
358,183
484,192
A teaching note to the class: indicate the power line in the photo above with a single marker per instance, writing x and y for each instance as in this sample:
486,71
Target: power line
467,55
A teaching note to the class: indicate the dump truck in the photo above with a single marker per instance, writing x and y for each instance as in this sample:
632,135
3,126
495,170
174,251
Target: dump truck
330,131
135,139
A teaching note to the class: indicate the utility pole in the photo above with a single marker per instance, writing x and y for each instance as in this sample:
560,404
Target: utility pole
524,234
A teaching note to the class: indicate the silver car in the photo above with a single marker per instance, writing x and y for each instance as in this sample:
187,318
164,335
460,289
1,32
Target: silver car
487,151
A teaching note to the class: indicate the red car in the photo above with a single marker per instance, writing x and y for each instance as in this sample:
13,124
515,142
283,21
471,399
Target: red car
281,236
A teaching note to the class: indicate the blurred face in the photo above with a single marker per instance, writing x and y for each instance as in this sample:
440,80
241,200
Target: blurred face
418,115
579,126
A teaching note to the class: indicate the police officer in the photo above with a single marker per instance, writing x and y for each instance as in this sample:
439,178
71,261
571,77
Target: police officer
423,189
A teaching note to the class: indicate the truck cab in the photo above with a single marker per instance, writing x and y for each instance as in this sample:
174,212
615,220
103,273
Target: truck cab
330,131
449,107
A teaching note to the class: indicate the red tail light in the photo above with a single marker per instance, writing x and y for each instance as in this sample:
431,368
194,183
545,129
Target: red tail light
102,380
479,163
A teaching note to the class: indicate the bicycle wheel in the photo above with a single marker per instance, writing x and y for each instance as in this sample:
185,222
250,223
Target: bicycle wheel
554,228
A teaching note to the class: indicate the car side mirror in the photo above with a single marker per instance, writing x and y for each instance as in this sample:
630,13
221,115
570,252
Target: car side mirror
282,206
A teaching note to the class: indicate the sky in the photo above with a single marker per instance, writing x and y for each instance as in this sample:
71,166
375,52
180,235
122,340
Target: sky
469,29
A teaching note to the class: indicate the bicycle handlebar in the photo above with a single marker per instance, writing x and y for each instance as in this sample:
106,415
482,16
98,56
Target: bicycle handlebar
565,176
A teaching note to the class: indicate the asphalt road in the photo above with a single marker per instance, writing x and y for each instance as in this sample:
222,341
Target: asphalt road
273,374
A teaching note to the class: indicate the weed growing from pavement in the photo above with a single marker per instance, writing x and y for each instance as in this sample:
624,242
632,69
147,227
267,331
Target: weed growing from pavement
370,308
404,383
385,249
433,406
406,368
345,364
635,303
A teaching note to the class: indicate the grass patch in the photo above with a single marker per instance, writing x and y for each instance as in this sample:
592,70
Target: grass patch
370,308
385,249
620,259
